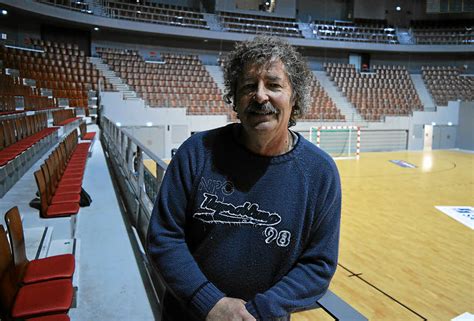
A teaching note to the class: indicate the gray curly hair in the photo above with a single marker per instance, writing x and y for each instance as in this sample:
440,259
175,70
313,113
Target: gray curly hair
261,50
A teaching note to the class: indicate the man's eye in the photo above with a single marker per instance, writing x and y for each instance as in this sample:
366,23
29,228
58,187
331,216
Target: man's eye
247,87
275,85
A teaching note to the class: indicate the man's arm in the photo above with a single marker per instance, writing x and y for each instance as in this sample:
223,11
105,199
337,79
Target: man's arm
304,284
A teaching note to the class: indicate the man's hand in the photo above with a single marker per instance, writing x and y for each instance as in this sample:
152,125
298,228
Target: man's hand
229,309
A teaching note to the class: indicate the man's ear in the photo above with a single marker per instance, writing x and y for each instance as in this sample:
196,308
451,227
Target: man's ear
293,100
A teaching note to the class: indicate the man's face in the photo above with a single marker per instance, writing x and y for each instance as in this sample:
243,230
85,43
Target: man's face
264,99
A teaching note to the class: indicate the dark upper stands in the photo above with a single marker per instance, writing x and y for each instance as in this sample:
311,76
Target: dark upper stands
458,32
388,90
81,6
177,81
446,83
359,31
155,13
257,24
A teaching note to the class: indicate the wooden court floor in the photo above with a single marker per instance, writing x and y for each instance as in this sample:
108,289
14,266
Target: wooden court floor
400,257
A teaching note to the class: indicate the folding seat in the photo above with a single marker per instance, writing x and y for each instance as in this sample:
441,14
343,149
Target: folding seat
49,268
48,210
53,194
30,300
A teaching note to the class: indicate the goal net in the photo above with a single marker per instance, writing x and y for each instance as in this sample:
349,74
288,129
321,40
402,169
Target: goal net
337,141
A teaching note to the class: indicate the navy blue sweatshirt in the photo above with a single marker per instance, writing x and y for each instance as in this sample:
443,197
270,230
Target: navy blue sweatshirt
228,222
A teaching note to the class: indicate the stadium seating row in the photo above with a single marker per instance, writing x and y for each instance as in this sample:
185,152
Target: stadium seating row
23,139
59,180
448,84
459,32
21,133
37,290
388,90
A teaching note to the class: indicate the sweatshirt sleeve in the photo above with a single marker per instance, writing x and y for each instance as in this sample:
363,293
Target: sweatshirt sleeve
309,279
166,239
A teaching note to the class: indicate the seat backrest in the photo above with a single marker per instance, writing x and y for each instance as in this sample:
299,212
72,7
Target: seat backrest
17,240
40,182
2,137
50,188
8,285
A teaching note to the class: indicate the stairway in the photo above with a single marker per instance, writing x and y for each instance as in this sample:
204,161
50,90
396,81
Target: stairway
423,93
404,36
346,108
306,30
112,78
217,74
213,22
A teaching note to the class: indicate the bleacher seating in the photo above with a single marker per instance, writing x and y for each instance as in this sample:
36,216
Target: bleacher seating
387,91
21,133
178,81
357,31
258,24
459,32
60,68
37,270
322,107
152,12
81,6
446,83
84,134
31,300
64,117
12,89
61,176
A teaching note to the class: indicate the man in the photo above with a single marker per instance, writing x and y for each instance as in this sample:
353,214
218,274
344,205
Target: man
246,223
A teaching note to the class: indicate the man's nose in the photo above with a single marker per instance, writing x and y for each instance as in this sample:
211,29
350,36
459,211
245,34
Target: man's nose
261,95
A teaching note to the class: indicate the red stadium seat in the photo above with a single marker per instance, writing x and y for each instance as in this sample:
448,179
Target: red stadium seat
30,300
53,267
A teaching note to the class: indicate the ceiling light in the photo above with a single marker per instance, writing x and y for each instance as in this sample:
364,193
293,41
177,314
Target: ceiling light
398,8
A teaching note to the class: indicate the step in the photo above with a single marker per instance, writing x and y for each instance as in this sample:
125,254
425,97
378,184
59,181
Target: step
346,108
37,241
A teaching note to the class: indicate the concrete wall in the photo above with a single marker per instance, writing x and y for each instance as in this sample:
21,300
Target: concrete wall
444,116
309,10
175,125
465,137
369,9
452,130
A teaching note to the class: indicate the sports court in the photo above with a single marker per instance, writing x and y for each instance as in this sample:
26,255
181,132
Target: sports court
400,257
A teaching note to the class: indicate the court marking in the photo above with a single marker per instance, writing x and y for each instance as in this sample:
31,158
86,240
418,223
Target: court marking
462,214
358,276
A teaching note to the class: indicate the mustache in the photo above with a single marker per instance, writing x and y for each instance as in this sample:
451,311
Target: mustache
265,108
